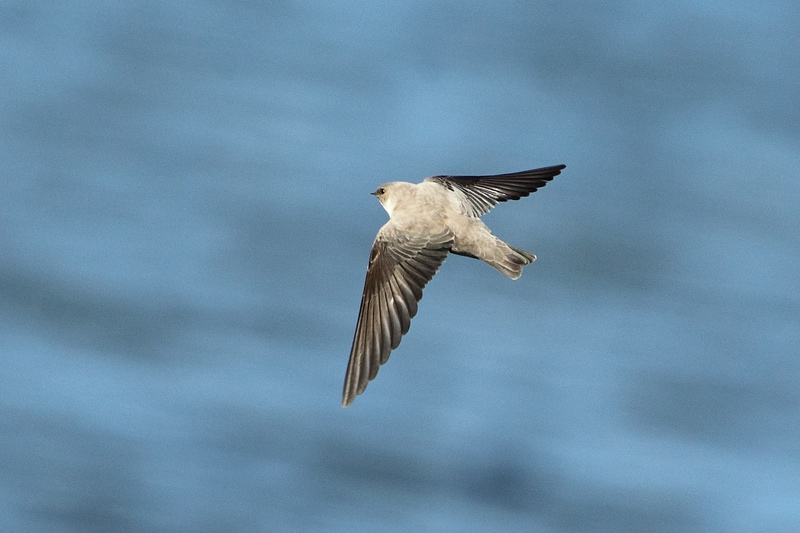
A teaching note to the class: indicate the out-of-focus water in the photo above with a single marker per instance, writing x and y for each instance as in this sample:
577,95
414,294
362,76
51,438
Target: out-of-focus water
185,225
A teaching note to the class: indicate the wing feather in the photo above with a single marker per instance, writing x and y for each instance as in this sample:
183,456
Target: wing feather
399,268
482,193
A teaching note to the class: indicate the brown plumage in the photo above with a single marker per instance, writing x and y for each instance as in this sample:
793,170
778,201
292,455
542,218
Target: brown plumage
427,221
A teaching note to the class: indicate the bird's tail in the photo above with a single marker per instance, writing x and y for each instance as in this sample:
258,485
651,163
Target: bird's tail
509,260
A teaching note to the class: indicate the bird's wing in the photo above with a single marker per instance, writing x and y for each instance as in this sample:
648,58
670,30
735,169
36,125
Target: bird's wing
484,192
399,267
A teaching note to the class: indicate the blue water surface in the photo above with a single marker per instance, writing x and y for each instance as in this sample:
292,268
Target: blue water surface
184,230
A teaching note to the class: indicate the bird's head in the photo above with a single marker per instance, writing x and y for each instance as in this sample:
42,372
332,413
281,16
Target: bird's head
387,196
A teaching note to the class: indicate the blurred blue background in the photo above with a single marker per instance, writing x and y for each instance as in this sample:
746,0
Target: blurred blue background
185,224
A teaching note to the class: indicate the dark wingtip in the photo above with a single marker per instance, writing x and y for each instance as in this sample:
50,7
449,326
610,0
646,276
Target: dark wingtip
348,394
348,397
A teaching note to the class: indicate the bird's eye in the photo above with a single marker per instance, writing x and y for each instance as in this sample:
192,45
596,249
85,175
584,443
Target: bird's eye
381,190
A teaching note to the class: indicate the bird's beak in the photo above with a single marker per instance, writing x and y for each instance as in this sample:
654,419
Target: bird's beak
374,193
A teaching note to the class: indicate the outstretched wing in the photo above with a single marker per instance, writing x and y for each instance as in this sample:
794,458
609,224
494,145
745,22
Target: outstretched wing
399,267
484,192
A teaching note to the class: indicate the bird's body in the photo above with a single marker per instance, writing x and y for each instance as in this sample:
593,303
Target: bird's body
427,221
429,207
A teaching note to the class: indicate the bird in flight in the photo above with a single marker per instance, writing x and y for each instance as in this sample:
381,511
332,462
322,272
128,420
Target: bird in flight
427,221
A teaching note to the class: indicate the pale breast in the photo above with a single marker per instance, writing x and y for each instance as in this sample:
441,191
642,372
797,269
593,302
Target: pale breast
438,198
